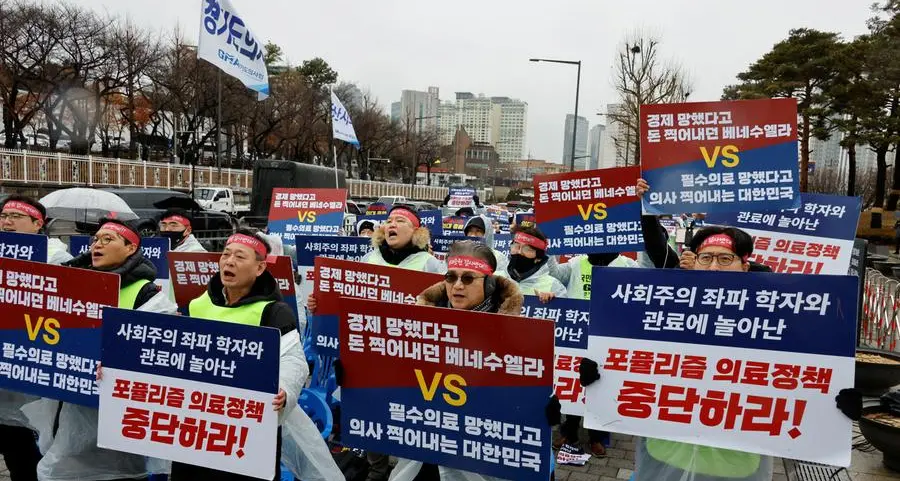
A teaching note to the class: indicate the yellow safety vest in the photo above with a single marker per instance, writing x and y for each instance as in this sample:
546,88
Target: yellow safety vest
128,294
248,314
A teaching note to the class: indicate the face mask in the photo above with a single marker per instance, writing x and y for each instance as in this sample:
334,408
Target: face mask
520,263
174,237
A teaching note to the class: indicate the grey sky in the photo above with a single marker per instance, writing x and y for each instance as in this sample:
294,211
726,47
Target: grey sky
483,46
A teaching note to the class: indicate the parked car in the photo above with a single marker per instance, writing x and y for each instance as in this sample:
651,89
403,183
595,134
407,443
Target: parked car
420,206
149,205
354,208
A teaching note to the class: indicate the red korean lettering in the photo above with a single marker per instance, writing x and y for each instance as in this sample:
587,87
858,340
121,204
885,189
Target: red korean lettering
216,404
764,414
121,389
568,389
175,397
641,362
255,410
163,428
223,438
198,401
693,367
785,376
636,399
756,373
816,378
616,360
677,398
728,370
235,408
667,364
563,363
139,391
135,423
157,394
718,408
193,433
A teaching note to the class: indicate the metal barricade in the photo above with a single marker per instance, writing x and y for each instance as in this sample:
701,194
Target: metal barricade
881,312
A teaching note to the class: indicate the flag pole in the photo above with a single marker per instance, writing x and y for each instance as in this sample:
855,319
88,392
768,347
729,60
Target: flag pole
337,184
219,122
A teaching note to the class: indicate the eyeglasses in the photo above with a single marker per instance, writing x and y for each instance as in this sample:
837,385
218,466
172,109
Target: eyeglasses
722,259
516,248
103,241
467,279
14,216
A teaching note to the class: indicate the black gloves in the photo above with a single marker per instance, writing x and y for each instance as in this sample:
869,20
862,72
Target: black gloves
849,401
553,411
588,372
338,372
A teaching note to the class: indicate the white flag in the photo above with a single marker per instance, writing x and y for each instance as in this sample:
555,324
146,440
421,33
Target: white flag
226,42
341,125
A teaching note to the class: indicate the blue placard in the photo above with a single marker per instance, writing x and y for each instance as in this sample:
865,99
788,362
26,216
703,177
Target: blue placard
732,309
502,242
334,247
441,244
155,249
24,247
820,215
433,220
192,349
572,318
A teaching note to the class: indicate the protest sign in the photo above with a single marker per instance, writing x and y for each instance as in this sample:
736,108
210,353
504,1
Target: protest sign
461,197
332,247
194,391
460,389
191,272
571,318
441,244
454,225
378,209
52,317
335,279
375,219
591,211
154,249
816,238
525,220
433,220
720,156
502,243
744,361
306,212
23,247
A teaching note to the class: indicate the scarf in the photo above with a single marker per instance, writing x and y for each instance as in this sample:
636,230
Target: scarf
396,256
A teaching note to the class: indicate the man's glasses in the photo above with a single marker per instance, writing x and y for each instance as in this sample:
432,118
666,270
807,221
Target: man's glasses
467,279
722,259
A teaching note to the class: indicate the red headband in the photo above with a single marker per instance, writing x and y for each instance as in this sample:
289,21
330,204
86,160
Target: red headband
408,215
123,231
251,242
530,240
178,218
23,207
719,240
470,263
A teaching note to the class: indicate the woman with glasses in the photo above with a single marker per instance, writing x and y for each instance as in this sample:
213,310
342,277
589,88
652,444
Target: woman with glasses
470,284
69,443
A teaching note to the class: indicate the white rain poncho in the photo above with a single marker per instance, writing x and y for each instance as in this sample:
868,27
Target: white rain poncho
406,470
690,462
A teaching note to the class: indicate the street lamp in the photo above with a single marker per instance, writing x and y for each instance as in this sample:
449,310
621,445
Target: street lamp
577,89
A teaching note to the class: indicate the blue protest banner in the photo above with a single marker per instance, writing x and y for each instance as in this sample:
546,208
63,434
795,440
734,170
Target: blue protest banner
816,238
334,247
461,197
51,328
155,249
193,376
502,243
571,318
24,247
461,389
454,225
433,220
774,348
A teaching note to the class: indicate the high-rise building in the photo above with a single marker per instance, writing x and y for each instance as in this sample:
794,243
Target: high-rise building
596,147
498,121
618,144
513,123
581,142
827,154
395,111
419,111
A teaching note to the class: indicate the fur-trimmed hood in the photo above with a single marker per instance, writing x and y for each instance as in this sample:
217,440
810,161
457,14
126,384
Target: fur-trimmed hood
421,237
507,296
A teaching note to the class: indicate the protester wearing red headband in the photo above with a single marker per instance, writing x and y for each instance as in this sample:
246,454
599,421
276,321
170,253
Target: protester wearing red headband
528,263
176,225
22,214
114,248
244,292
716,248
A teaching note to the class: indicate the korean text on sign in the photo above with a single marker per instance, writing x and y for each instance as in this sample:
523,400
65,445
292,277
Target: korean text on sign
24,247
571,318
461,389
336,278
52,318
190,390
815,238
590,211
306,212
720,156
743,361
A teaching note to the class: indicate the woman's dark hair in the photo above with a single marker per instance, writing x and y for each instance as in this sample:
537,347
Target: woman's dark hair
106,220
743,243
474,249
257,236
26,200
